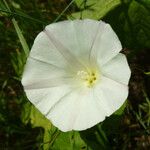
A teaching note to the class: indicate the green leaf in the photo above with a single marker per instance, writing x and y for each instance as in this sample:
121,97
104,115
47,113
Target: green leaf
140,18
18,61
131,21
95,9
69,141
25,113
145,3
32,115
38,120
2,7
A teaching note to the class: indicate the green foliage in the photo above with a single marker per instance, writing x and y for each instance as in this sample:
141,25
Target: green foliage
94,9
96,138
31,115
21,38
69,141
2,7
147,73
53,139
145,108
18,61
145,3
64,11
131,22
18,31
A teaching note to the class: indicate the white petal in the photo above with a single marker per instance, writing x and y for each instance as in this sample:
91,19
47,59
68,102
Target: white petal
44,50
82,38
112,94
64,113
107,44
65,34
63,37
117,69
78,110
77,36
38,74
44,99
86,32
91,112
64,51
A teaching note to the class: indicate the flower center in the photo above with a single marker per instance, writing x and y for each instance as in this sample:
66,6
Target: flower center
89,78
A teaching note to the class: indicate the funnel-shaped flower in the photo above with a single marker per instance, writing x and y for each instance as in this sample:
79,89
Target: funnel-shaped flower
75,74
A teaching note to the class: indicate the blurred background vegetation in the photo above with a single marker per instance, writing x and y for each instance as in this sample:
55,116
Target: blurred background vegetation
22,127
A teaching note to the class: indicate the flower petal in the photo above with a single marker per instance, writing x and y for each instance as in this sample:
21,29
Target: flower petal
117,69
106,45
64,51
112,94
86,32
64,113
44,99
83,38
38,74
44,50
77,36
78,110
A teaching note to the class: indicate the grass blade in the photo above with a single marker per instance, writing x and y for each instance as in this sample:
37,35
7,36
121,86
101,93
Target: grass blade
19,33
63,11
21,37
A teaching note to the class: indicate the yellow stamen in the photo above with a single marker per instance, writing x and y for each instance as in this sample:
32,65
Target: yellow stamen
88,79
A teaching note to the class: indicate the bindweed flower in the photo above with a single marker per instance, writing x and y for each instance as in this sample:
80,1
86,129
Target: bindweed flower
75,74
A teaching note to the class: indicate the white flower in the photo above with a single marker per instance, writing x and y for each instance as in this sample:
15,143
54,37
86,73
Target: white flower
75,74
